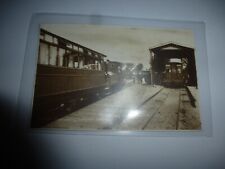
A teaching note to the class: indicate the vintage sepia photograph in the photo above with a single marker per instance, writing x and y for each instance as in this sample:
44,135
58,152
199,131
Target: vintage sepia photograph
120,78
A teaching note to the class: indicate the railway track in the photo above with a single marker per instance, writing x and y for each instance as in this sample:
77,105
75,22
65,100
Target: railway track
188,116
174,109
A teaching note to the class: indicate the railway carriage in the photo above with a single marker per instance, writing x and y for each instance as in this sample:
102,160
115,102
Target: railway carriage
173,76
68,77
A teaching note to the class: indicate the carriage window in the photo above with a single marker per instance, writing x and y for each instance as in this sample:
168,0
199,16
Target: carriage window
89,53
61,53
69,46
81,63
76,65
179,70
52,55
48,38
70,62
56,51
55,40
81,50
43,54
75,48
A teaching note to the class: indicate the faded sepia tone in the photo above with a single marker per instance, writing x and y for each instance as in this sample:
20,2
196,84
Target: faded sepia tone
129,44
93,77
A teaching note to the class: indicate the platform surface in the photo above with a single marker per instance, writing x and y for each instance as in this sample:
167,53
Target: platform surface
135,107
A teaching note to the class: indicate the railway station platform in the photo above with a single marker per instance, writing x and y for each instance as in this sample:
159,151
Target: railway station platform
111,110
136,107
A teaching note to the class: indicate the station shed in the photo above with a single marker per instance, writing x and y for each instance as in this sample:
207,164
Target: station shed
160,56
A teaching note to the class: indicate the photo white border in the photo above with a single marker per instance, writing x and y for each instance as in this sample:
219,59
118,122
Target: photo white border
25,98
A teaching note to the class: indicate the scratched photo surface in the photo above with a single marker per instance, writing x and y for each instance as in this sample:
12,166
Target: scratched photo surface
120,78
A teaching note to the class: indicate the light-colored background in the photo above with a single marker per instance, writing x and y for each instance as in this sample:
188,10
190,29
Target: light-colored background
96,151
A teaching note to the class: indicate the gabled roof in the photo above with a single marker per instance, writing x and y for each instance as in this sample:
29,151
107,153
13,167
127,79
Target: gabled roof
170,46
